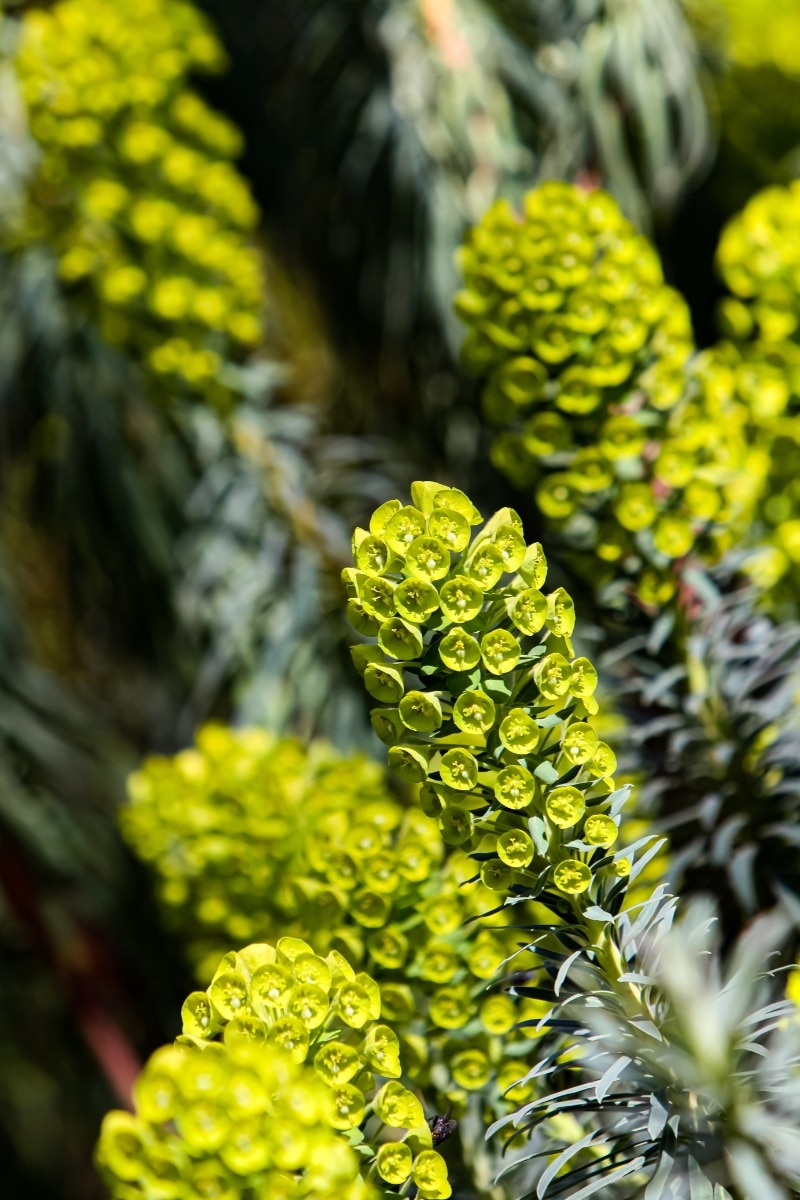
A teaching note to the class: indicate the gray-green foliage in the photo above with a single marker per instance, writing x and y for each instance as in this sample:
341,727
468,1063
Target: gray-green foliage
436,109
259,559
640,91
693,1096
709,695
17,151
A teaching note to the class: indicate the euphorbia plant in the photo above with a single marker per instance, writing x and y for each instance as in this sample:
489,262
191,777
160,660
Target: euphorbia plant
492,711
274,1090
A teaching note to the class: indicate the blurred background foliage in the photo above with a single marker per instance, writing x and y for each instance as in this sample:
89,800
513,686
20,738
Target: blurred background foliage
227,263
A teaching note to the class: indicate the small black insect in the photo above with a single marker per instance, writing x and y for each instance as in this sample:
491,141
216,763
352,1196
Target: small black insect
442,1128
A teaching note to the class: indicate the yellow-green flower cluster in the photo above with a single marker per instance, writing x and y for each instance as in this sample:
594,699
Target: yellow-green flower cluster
793,985
135,190
760,33
257,836
775,564
254,836
480,696
226,1123
586,352
567,292
759,260
282,1062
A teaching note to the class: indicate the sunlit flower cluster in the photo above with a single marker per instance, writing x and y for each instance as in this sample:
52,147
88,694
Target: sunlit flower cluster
230,1123
281,1061
760,33
480,696
635,457
135,191
759,260
257,836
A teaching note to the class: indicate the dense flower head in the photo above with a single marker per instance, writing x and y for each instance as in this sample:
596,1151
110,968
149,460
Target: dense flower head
221,1123
760,33
256,836
759,260
135,191
281,1060
252,835
775,564
632,452
492,713
491,709
572,288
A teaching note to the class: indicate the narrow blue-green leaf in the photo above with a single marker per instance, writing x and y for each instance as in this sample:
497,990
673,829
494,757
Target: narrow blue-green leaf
700,1187
561,1159
657,1119
611,1075
606,1180
564,970
595,913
